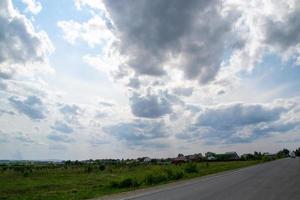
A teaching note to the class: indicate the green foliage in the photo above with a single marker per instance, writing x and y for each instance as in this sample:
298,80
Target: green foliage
297,152
101,167
71,181
125,183
155,178
191,168
88,169
283,153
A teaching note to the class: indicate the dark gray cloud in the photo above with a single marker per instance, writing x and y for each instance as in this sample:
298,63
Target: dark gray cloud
239,114
138,132
153,32
150,106
32,107
62,127
237,123
284,34
18,42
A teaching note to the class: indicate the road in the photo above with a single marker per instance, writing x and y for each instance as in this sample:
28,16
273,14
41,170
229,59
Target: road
276,180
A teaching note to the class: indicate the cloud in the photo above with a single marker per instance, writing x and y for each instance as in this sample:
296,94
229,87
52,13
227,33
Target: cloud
2,111
238,123
33,6
154,34
25,138
20,42
32,107
150,106
134,83
100,114
238,114
183,91
139,132
266,27
4,138
71,113
94,31
62,127
106,104
70,109
60,138
96,4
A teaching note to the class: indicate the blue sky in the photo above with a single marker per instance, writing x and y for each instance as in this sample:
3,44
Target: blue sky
84,79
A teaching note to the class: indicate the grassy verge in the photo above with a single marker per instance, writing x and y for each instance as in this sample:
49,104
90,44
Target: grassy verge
78,183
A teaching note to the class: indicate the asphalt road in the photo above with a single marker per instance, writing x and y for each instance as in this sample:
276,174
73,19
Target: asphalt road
276,180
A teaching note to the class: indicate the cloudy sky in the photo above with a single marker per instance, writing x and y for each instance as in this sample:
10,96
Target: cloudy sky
84,79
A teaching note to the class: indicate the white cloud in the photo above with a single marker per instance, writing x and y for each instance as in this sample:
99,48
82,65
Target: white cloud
94,31
21,45
96,4
266,27
33,6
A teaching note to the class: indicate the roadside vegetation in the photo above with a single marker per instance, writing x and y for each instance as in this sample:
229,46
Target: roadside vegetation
82,180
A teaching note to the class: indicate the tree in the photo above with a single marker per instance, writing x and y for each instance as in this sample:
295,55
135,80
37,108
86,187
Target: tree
283,153
297,152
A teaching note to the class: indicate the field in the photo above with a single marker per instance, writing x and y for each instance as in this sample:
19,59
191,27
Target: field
88,181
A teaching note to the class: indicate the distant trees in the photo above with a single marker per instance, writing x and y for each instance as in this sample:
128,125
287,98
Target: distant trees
255,156
297,152
283,153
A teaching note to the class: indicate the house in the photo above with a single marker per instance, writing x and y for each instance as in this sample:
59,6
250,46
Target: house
232,155
179,159
144,160
209,154
194,157
211,158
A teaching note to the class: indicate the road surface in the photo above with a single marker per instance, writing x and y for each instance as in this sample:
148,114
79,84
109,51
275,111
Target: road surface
276,180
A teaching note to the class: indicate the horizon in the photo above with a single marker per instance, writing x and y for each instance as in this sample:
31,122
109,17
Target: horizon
134,158
90,79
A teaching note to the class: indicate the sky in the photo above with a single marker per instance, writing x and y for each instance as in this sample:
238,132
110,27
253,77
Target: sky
92,79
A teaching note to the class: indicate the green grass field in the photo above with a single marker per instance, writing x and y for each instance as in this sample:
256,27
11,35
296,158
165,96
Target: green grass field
76,182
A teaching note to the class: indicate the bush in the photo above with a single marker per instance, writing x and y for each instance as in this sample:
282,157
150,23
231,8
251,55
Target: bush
101,167
114,184
26,174
88,169
174,174
125,183
191,168
152,178
178,175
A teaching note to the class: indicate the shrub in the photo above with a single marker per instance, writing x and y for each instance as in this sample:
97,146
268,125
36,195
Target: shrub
88,169
101,167
154,178
125,183
178,175
191,168
174,174
26,174
114,184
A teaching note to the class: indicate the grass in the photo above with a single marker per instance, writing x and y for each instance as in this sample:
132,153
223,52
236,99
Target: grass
75,182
